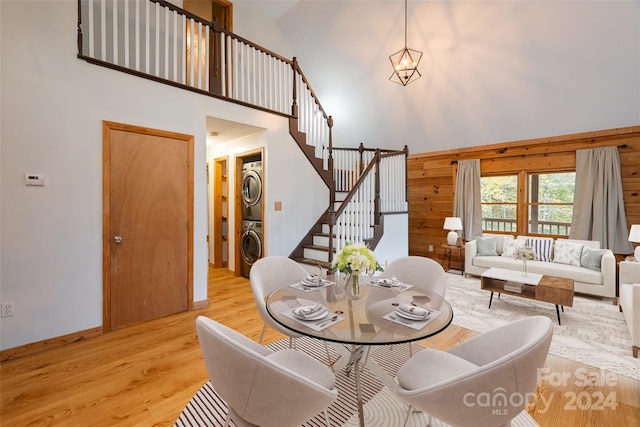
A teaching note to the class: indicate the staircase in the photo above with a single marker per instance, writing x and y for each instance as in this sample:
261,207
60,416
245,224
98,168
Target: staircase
157,40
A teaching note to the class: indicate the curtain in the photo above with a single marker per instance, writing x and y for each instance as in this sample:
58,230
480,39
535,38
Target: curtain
466,201
598,205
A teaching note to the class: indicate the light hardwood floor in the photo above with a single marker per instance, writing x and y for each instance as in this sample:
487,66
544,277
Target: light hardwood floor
145,374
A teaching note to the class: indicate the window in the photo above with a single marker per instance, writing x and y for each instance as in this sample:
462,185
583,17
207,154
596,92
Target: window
547,208
499,195
550,204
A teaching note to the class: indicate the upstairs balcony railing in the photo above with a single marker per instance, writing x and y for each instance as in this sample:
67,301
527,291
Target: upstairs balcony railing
157,40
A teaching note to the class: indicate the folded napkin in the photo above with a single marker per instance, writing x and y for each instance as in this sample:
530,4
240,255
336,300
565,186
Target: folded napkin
313,281
309,311
413,311
387,281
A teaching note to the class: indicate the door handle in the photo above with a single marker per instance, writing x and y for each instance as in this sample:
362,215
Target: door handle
117,239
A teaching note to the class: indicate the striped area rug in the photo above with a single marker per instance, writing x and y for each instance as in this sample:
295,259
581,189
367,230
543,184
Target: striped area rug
381,405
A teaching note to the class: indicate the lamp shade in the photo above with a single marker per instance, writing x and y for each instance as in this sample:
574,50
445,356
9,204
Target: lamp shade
454,223
634,236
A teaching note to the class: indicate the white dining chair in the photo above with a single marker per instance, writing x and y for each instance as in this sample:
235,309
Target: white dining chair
268,274
485,381
420,272
262,387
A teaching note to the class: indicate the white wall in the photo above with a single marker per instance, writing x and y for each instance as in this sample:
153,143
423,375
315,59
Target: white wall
493,71
52,108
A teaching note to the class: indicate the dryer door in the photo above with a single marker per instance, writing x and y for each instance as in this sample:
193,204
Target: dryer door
250,246
251,188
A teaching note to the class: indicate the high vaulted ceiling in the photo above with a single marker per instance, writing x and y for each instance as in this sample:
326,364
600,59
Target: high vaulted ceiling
492,71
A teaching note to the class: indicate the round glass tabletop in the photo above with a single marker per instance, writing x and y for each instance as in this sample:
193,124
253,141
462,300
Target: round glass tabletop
371,320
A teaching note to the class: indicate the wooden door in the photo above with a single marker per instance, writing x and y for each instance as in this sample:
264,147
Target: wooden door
148,203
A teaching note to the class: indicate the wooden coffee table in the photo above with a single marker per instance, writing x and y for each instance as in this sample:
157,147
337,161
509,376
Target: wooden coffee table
551,289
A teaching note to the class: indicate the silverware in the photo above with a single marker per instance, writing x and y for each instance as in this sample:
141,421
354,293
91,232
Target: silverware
326,322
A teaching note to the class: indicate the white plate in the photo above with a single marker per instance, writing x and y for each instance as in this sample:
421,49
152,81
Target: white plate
320,315
412,316
312,284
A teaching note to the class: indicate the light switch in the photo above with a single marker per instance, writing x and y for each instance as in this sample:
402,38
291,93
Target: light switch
277,206
34,179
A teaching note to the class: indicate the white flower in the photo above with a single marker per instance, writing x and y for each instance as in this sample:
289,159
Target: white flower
525,253
355,257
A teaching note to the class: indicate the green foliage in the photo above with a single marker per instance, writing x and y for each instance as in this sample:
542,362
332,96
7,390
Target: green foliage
550,201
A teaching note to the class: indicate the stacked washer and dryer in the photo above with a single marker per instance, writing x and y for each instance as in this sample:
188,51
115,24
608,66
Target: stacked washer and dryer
251,241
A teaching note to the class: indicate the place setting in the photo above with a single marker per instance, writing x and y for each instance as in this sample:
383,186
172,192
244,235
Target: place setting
311,283
392,283
412,316
314,315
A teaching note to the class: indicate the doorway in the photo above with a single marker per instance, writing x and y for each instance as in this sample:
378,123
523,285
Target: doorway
220,213
147,224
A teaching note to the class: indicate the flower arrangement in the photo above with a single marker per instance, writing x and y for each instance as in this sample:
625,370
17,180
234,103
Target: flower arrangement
525,253
354,258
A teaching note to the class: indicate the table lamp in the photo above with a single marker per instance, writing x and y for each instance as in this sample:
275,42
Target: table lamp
634,236
453,224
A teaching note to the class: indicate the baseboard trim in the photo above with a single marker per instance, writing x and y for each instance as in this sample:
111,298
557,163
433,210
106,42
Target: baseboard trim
36,347
197,305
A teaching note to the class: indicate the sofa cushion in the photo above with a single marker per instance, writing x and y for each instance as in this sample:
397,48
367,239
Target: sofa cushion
486,246
592,258
500,239
594,244
511,245
567,252
542,247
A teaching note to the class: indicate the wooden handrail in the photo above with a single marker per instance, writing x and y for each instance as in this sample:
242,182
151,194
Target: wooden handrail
313,94
209,60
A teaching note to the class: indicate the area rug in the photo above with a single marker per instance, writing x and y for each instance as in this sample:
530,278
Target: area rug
381,405
592,332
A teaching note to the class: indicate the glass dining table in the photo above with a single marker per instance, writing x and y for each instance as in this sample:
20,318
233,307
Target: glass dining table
383,315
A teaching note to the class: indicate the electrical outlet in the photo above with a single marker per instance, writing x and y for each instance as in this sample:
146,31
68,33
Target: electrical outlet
430,248
7,309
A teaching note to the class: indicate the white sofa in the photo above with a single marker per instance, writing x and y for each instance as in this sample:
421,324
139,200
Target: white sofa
586,280
630,300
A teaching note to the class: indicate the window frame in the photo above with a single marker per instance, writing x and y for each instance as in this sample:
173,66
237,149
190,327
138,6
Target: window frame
522,199
516,204
528,203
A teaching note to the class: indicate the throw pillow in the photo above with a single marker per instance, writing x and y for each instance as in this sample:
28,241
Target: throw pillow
486,246
567,252
511,245
592,258
542,247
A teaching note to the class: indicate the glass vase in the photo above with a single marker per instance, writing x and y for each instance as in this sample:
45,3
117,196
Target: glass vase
524,267
352,286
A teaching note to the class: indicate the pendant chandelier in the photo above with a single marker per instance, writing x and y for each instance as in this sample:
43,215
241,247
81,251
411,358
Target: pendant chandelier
405,61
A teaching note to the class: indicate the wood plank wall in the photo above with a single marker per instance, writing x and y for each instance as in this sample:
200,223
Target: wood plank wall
431,177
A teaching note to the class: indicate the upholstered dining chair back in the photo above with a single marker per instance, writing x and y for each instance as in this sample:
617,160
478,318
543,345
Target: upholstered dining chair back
262,387
485,381
268,274
418,271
